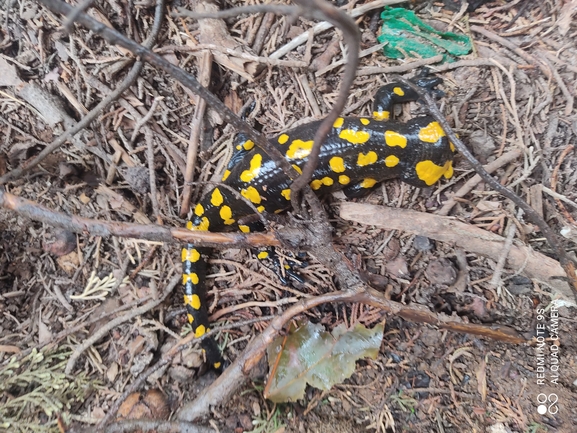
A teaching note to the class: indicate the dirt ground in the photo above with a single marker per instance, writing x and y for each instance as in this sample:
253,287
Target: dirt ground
514,93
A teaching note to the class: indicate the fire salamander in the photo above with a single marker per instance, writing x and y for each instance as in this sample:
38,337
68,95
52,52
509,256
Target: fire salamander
357,154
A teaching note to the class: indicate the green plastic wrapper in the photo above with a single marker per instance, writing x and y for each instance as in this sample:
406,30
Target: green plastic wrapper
406,34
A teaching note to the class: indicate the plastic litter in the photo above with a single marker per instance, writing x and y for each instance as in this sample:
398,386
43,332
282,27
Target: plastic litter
407,35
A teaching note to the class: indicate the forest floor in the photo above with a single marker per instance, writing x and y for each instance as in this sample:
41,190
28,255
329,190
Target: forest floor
511,100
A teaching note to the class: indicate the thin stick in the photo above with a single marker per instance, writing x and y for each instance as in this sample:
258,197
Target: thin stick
322,26
149,232
396,69
500,266
205,66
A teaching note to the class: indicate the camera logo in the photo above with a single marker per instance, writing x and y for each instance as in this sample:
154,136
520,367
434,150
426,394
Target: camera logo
547,404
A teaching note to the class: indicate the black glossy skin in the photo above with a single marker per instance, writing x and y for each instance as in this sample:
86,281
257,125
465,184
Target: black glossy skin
357,154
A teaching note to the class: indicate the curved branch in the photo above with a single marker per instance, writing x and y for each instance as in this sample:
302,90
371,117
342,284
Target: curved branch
233,377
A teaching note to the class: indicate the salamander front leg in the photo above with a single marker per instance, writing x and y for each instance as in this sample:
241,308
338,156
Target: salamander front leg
284,271
269,258
395,93
242,146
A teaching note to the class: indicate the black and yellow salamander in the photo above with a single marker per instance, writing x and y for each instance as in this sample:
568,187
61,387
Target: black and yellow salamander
358,153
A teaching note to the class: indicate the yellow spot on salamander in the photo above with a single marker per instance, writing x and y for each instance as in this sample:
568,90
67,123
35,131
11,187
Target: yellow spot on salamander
192,277
189,225
316,184
299,149
200,331
286,193
251,194
190,318
297,169
452,146
368,183
344,180
260,209
225,175
226,215
203,226
381,115
449,173
431,133
355,137
337,164
190,255
216,199
216,365
262,255
338,123
244,228
393,138
364,121
253,171
282,139
368,159
391,161
248,145
195,301
429,172
398,91
199,210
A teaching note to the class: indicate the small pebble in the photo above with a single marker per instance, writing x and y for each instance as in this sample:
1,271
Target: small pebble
422,243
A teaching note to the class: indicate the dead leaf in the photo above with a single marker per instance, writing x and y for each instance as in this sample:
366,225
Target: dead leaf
44,334
311,355
112,372
8,74
398,267
69,262
84,198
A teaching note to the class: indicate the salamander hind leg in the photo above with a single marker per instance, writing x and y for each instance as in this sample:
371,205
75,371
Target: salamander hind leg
285,271
269,257
360,189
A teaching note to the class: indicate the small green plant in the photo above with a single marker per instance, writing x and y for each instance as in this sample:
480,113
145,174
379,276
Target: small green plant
270,425
407,404
535,427
34,391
